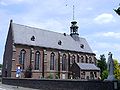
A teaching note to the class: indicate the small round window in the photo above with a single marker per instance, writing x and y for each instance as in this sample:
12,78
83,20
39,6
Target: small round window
59,42
33,38
82,46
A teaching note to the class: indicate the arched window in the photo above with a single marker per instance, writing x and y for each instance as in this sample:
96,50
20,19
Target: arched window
73,58
86,59
91,75
90,59
52,61
82,59
37,60
78,59
22,58
64,63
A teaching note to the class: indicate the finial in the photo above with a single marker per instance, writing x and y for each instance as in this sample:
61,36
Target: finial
109,53
11,21
73,9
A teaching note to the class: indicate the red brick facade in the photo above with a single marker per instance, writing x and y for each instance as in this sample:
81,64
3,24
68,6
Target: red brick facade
43,61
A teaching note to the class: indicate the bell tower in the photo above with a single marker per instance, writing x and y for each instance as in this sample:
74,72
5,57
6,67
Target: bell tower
74,31
74,28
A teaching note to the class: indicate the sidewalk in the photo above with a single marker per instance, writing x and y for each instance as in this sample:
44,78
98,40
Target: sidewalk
9,87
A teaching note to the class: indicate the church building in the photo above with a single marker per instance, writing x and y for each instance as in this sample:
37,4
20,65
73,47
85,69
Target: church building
48,54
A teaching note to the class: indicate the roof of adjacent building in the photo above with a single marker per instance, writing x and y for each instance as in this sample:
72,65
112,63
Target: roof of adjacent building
87,66
23,34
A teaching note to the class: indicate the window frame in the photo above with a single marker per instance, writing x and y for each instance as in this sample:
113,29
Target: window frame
37,60
22,58
52,61
64,62
73,59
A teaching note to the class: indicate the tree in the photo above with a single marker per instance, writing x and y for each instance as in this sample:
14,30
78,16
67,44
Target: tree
117,10
28,72
116,70
104,74
0,65
102,64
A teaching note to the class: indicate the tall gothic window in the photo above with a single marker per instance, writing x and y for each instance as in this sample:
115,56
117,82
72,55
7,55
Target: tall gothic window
73,58
22,58
86,59
90,60
52,61
82,59
37,60
78,59
64,63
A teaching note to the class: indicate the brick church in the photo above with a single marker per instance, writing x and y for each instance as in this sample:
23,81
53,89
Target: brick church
48,54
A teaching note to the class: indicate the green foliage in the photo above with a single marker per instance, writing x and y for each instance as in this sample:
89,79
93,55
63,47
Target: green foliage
50,76
56,76
28,72
104,74
116,70
1,65
117,10
102,64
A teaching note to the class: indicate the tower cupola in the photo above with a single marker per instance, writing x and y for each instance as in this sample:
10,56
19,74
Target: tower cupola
74,31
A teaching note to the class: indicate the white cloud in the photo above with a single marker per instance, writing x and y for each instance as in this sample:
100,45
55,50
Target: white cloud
50,24
89,8
105,47
9,2
115,35
95,51
3,3
104,18
112,34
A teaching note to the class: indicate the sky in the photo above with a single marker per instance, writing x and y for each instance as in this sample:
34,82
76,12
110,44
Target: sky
97,21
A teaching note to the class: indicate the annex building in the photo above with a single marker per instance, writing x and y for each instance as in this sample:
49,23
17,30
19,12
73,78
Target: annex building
49,54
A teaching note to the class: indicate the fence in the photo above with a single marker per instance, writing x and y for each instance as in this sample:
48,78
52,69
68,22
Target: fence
46,84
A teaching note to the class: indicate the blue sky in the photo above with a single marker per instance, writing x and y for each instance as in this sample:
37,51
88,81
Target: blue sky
97,21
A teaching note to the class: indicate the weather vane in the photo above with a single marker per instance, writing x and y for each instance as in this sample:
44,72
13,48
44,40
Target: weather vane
117,10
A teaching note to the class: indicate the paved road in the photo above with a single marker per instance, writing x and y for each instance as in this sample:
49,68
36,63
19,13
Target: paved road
9,87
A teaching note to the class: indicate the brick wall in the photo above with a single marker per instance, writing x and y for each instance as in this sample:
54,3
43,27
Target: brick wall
45,84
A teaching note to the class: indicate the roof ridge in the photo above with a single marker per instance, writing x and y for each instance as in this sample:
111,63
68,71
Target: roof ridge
48,39
41,29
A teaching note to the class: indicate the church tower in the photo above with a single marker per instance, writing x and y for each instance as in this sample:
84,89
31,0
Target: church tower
74,31
74,28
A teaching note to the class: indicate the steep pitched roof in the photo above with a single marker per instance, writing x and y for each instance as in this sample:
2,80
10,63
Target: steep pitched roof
48,39
87,66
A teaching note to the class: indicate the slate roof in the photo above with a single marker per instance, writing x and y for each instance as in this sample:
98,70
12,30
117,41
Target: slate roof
87,66
48,39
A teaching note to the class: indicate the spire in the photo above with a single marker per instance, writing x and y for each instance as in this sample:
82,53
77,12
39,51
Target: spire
74,28
11,21
73,12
